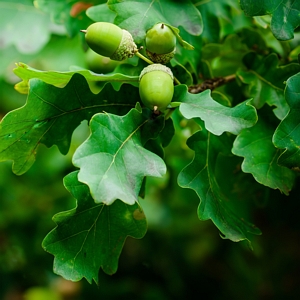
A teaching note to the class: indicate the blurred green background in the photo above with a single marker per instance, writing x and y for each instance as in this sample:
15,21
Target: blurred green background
179,258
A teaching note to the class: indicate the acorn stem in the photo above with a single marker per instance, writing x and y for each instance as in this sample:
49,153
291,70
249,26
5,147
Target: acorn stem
169,113
176,80
83,30
138,54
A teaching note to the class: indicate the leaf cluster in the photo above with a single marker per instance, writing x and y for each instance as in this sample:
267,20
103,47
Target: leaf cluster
238,90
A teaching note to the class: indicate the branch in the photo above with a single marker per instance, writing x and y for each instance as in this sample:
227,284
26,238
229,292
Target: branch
210,84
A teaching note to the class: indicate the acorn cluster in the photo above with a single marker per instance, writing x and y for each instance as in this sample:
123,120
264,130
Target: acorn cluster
156,86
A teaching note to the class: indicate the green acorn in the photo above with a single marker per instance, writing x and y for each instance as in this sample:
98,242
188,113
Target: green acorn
160,43
156,87
109,40
99,63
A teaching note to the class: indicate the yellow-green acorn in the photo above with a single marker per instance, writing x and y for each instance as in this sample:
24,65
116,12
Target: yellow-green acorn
156,87
160,43
109,40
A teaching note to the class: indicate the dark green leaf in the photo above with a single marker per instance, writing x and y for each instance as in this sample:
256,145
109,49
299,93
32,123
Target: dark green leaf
139,16
255,40
294,54
225,59
189,59
212,27
260,158
200,176
113,160
164,138
228,20
91,236
51,115
217,118
287,134
285,15
266,81
181,73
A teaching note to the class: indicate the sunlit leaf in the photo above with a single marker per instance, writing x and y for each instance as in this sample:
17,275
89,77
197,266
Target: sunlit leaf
60,79
217,118
51,114
113,161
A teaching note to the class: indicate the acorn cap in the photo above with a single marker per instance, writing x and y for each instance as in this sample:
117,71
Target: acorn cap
127,47
161,58
156,67
110,40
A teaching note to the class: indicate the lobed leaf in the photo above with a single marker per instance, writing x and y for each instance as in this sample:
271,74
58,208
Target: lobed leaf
287,134
217,118
265,80
212,26
139,16
164,138
51,114
101,13
285,15
61,79
226,21
28,38
70,13
200,176
226,58
114,162
91,236
260,158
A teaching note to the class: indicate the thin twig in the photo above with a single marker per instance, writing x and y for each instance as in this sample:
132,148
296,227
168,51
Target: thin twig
210,84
